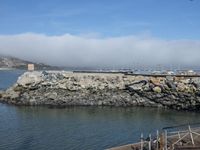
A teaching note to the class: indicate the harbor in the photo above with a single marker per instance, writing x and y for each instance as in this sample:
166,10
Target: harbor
68,128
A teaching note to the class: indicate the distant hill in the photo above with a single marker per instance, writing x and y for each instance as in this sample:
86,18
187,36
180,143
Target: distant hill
16,63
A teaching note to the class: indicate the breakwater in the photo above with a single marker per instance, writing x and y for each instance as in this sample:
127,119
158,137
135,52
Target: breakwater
60,88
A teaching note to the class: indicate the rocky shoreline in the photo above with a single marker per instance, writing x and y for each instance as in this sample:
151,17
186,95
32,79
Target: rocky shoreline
60,89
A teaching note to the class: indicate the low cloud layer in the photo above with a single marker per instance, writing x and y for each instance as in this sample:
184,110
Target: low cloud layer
84,51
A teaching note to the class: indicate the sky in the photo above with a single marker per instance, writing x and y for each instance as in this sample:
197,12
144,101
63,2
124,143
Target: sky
101,33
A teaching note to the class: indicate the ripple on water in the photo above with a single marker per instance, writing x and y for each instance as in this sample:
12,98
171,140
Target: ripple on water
31,128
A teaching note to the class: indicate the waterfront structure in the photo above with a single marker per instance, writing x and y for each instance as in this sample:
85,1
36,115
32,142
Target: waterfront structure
182,137
31,67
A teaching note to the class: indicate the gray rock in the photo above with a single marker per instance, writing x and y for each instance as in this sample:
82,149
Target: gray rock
196,82
171,85
157,89
136,86
66,88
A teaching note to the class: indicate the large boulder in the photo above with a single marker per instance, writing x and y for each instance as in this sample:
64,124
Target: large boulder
157,89
171,84
10,94
30,78
196,82
136,86
155,81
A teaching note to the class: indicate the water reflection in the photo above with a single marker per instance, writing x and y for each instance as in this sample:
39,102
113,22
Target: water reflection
82,127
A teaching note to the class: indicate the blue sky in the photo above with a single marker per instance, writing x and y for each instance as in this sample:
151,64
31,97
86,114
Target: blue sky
111,33
166,19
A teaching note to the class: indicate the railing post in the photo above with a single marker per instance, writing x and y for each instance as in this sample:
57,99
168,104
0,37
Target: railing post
179,137
142,142
149,141
162,141
165,139
191,135
157,140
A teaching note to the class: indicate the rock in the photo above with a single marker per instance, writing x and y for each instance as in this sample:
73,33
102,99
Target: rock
61,89
11,94
45,73
30,78
100,103
136,86
61,86
1,94
170,78
52,96
171,85
17,88
157,89
181,87
196,82
155,81
33,101
186,81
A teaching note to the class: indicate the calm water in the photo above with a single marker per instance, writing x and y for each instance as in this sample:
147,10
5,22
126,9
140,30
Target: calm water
86,128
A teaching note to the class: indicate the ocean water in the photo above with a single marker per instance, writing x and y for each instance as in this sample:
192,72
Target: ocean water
74,128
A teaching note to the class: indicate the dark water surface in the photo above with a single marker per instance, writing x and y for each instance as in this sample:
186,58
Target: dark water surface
74,128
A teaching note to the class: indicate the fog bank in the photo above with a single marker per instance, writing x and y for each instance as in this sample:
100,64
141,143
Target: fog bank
83,51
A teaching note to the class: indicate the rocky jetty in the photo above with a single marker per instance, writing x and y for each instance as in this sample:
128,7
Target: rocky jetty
60,88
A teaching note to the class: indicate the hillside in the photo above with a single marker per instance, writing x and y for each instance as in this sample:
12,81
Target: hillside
16,63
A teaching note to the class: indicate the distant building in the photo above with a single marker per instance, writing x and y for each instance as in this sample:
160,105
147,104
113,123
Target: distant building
191,72
188,72
170,73
156,72
31,67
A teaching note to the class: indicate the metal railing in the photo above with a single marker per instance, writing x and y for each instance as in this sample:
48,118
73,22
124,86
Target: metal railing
173,138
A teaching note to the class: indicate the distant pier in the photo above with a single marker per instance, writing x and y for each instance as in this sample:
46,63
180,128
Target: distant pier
140,74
